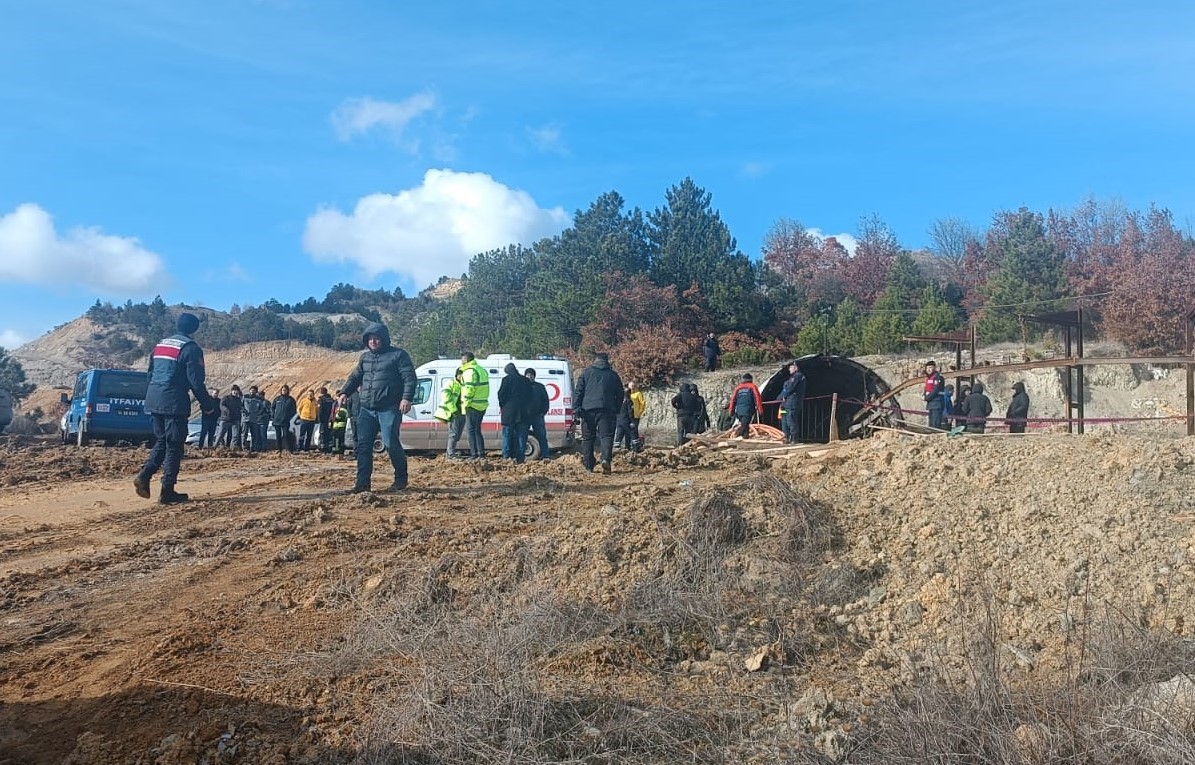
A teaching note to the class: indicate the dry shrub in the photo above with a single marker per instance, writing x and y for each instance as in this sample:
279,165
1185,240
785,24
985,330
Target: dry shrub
740,349
1125,697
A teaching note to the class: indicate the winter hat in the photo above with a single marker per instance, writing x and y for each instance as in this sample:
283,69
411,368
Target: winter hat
187,323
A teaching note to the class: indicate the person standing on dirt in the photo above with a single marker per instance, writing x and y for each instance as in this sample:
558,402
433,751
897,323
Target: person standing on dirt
209,424
638,407
792,396
688,411
960,406
597,397
541,403
1018,409
385,379
514,406
324,416
308,417
703,412
475,397
257,414
449,412
340,422
932,394
745,404
231,407
977,409
623,436
712,352
175,372
283,412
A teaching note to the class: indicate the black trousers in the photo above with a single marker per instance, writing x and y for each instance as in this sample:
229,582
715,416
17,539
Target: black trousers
167,453
597,424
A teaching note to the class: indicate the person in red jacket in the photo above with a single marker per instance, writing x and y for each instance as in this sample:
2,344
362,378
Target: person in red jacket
745,404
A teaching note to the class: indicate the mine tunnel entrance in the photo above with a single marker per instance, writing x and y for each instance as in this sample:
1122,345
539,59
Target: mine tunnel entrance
825,375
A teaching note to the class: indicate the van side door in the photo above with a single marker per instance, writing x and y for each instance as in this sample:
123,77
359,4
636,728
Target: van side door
78,405
418,424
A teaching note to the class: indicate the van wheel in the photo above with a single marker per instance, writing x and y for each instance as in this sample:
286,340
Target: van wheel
532,450
81,437
65,435
378,446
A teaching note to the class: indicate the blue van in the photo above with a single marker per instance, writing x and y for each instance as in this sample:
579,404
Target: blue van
107,404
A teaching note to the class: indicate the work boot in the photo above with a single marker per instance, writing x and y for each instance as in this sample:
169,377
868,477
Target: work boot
397,486
358,489
141,486
605,468
171,497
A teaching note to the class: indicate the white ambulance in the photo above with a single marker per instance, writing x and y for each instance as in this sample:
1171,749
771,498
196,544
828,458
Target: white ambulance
420,430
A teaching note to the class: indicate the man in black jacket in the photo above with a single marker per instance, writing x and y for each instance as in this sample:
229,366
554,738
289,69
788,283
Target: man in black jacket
1018,408
175,372
514,405
540,404
324,417
386,380
710,347
793,397
282,413
976,409
688,408
231,407
597,397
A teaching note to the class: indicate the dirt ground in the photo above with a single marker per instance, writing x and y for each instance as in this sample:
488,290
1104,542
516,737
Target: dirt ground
270,619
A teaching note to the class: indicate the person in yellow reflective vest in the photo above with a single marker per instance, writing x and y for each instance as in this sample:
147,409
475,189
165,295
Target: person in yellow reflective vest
475,397
449,412
340,423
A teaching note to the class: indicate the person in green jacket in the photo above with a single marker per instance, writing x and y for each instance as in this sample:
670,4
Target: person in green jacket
450,412
475,397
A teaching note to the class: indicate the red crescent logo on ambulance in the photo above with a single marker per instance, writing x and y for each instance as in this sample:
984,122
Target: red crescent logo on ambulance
553,391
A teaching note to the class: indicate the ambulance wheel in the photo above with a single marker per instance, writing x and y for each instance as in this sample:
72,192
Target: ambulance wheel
532,451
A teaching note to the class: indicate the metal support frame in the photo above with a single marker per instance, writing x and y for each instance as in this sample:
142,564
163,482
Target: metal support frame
958,340
1074,389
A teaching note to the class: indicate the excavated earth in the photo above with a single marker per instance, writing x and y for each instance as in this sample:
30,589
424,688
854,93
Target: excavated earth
767,604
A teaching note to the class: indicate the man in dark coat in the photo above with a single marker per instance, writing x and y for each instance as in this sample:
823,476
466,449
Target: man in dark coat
976,409
688,411
325,404
257,412
231,407
597,397
282,413
514,405
175,372
541,403
711,350
792,395
745,404
209,424
385,379
1018,408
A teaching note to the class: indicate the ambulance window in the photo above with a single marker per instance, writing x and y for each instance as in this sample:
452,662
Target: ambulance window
423,391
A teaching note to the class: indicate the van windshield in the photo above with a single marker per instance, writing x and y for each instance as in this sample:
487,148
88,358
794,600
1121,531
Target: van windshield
120,386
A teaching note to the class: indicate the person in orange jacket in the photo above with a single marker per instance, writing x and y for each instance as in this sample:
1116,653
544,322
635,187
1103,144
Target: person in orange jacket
745,404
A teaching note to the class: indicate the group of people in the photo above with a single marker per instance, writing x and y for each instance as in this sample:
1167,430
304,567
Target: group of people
242,420
971,407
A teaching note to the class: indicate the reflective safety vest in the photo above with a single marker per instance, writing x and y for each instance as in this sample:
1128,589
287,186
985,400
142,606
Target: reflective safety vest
340,418
475,387
450,402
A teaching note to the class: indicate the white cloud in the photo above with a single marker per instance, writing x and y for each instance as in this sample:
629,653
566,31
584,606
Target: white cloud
32,252
10,339
355,116
548,139
431,230
849,242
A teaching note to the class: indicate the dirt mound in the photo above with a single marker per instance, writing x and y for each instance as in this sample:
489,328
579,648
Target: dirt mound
689,607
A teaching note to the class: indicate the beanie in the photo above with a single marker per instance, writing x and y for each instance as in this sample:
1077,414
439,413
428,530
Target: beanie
187,323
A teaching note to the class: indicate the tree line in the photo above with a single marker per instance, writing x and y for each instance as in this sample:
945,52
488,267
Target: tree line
645,286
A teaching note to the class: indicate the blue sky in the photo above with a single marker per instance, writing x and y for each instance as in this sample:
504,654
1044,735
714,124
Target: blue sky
232,151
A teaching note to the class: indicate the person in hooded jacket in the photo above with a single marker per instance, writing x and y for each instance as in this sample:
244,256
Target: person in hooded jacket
324,415
960,403
1018,408
385,380
257,414
977,409
745,404
541,404
688,411
231,407
703,412
514,407
624,437
792,394
597,397
282,412
176,371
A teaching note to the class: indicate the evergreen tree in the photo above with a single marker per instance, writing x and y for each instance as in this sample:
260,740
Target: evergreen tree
935,316
1030,276
12,377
